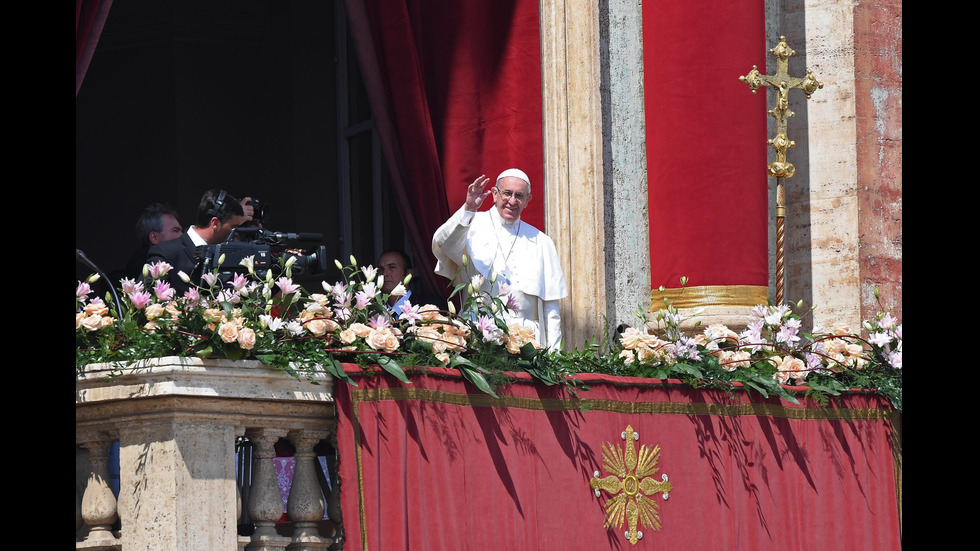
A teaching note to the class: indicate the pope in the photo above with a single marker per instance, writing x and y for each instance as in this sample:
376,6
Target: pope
510,254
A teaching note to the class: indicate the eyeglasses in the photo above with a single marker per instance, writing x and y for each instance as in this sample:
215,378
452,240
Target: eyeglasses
508,194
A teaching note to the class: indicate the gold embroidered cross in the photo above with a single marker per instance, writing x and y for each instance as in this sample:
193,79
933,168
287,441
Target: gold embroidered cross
630,483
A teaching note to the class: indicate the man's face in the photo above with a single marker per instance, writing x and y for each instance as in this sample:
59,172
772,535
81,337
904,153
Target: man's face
222,231
510,196
171,230
392,267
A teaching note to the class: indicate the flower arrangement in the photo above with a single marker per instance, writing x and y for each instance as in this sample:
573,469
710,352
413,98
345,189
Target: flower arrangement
266,316
770,354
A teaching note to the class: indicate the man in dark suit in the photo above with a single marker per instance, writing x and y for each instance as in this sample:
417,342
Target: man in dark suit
217,215
395,265
157,223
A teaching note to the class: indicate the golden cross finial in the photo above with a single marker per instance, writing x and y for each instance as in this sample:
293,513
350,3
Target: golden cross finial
780,168
783,83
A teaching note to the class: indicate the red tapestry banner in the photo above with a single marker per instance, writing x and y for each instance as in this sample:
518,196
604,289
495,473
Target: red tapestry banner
627,463
706,149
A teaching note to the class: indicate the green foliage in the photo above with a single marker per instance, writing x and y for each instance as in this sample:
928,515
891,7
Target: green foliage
299,332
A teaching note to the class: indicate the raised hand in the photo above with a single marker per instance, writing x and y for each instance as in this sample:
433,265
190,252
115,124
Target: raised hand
477,192
248,208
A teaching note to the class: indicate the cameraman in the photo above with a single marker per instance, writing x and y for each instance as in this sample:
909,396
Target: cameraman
217,215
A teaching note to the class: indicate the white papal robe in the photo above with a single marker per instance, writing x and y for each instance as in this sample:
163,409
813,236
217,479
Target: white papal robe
516,253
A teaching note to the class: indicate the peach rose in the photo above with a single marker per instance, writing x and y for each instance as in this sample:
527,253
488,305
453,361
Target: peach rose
317,327
717,335
632,338
376,339
651,341
173,310
96,308
361,330
853,349
347,336
246,338
647,355
320,298
92,323
430,312
456,341
154,311
228,332
791,368
213,315
835,347
391,342
731,360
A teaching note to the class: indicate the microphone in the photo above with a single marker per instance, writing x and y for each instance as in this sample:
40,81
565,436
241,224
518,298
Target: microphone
263,233
295,236
80,257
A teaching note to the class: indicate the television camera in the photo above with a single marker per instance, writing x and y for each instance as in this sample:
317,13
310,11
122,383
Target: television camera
269,250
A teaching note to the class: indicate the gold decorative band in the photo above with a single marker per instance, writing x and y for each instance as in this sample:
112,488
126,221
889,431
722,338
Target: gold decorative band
615,406
711,295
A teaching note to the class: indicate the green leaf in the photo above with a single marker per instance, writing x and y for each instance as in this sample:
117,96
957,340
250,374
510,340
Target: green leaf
759,389
459,362
334,368
817,386
268,358
528,351
478,380
688,369
391,366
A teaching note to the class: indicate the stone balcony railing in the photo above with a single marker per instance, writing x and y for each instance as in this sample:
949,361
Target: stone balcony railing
179,423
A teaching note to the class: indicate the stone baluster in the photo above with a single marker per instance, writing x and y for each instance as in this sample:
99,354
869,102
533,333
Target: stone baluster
306,503
98,506
78,511
242,540
264,499
333,501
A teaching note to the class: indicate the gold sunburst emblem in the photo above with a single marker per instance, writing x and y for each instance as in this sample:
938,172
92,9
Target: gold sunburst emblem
630,482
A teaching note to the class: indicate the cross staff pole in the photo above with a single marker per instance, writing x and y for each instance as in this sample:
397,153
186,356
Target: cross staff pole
780,169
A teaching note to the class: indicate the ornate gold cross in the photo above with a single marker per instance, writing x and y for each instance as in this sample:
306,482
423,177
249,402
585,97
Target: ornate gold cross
780,168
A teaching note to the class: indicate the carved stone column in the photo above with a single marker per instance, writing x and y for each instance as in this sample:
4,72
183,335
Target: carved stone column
177,421
306,503
98,506
264,500
574,179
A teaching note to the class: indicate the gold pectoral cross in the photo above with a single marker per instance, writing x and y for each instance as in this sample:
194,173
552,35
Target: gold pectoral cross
780,168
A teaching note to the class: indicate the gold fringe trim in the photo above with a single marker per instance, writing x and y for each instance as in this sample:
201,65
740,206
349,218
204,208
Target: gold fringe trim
710,295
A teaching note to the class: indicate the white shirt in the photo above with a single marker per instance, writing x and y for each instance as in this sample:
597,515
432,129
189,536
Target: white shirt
197,239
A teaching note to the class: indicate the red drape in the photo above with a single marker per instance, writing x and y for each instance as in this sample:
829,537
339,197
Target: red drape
439,465
706,142
90,17
455,88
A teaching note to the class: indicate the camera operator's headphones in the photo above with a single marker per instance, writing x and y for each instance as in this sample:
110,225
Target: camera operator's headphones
218,203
